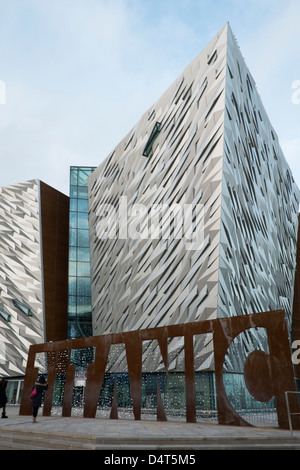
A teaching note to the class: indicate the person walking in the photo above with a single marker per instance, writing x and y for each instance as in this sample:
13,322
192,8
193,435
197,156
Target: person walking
37,396
3,397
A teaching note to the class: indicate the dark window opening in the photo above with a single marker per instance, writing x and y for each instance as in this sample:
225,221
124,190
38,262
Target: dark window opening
24,308
5,315
153,136
212,58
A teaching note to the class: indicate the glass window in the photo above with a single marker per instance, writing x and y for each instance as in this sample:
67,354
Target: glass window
73,219
83,254
5,315
83,221
83,238
73,236
72,285
73,191
83,192
72,253
83,175
73,205
73,177
72,304
153,135
79,252
24,308
84,305
83,205
72,268
84,286
83,269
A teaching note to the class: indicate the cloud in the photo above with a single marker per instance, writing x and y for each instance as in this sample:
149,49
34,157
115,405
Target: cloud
78,79
58,79
274,45
80,74
271,51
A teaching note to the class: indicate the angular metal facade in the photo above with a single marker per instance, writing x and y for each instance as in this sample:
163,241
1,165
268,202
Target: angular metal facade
20,276
260,203
33,285
207,142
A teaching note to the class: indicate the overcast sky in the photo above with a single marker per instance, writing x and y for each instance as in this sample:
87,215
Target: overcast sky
79,74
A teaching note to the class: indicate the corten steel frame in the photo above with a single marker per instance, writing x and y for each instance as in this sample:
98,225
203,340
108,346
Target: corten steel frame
266,375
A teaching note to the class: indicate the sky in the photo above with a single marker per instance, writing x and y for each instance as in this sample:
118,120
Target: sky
77,75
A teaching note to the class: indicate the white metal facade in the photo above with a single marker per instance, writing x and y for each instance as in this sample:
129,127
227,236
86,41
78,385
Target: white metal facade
21,289
206,141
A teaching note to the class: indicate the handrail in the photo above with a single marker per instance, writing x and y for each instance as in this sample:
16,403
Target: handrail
289,411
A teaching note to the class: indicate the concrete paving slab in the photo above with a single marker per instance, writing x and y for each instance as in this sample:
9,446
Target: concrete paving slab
100,433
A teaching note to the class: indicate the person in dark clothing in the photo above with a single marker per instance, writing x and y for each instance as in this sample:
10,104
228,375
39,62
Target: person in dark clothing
36,401
3,397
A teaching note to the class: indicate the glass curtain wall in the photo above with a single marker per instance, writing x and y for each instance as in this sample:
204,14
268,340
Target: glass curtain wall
80,309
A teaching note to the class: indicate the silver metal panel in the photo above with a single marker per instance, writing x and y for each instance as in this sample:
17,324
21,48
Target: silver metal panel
260,202
21,297
205,153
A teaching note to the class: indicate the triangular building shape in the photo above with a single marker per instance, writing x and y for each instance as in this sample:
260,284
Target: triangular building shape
206,143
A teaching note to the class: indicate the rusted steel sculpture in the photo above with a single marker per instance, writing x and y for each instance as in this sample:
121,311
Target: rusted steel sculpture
266,375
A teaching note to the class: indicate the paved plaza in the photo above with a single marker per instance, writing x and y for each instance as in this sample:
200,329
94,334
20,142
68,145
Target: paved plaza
77,433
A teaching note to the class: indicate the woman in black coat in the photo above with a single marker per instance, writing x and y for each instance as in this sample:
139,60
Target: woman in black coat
36,401
3,397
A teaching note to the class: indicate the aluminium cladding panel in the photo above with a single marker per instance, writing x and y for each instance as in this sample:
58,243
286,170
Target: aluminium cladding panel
215,146
20,276
33,271
260,203
142,281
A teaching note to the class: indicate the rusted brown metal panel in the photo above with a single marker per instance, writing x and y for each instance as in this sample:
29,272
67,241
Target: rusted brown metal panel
266,375
55,246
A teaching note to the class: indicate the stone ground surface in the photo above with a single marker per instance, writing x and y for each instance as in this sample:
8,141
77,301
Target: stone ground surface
77,433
